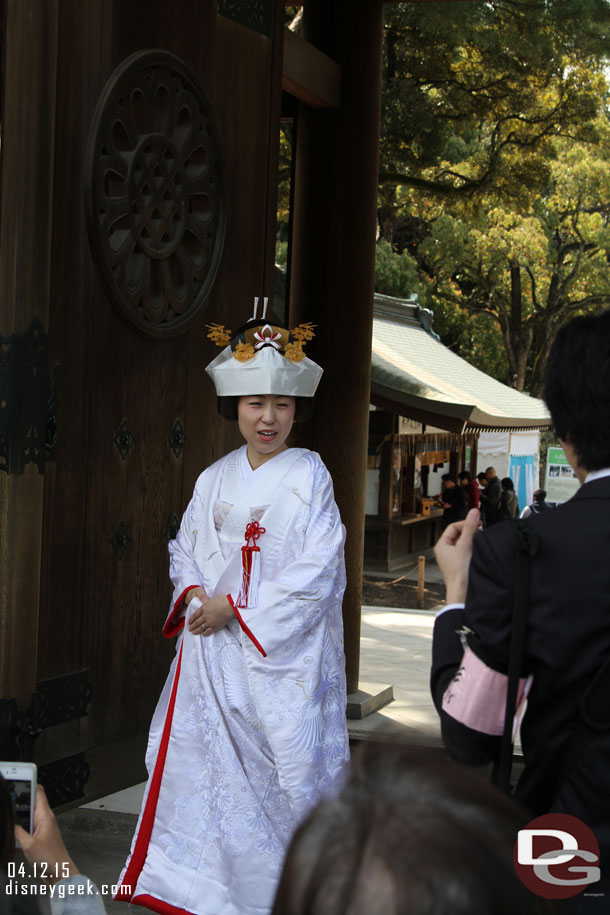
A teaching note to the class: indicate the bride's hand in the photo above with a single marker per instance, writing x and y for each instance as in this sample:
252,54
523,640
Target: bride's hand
211,616
195,592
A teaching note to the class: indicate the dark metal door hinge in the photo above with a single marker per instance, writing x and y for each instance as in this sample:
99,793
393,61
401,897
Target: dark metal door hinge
28,400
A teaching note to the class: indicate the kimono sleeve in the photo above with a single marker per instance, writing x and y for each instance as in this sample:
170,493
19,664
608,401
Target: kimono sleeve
471,649
298,686
183,569
309,586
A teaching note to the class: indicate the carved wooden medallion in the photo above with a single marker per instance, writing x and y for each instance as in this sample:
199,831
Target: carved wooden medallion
156,193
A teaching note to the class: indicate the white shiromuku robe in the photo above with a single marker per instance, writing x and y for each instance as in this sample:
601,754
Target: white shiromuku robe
250,730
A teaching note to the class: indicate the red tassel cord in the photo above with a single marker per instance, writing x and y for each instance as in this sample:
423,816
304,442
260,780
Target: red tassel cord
250,564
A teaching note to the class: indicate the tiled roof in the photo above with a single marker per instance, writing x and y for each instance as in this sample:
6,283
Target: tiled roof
410,366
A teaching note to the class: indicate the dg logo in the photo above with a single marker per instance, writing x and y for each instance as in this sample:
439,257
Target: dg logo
556,856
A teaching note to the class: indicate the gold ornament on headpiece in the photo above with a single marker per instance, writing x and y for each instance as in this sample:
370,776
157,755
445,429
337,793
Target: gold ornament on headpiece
302,334
218,334
294,352
243,352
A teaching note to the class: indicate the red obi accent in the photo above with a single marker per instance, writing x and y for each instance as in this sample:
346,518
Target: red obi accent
253,533
250,566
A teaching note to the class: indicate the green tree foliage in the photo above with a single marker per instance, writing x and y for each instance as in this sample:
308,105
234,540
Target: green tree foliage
474,93
529,273
395,274
284,178
493,175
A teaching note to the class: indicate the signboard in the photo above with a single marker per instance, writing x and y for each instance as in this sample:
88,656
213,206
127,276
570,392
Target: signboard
560,480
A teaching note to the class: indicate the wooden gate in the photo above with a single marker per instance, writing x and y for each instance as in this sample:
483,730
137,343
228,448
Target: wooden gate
106,416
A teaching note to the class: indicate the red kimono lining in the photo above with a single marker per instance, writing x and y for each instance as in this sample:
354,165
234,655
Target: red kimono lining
173,626
140,851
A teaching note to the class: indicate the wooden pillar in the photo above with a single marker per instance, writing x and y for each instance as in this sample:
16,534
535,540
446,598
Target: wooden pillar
408,486
454,462
474,450
333,263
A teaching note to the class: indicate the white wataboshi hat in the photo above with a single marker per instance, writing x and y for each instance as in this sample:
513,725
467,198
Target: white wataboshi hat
263,358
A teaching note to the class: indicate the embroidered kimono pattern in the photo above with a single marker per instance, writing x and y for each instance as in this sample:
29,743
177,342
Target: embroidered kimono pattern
250,731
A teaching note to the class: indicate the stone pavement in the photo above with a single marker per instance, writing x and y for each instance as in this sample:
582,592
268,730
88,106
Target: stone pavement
395,650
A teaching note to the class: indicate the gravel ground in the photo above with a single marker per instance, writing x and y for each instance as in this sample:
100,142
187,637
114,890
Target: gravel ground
401,594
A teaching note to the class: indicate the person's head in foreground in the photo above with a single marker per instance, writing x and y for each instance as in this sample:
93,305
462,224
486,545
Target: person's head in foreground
539,495
265,381
412,833
507,484
577,391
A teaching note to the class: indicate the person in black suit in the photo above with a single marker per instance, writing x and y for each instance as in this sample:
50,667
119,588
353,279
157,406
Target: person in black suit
510,503
453,499
568,627
492,498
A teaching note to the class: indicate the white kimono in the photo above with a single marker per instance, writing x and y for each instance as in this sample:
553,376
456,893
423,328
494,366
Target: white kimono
250,730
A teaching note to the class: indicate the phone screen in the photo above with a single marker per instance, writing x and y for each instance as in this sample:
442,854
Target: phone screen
20,791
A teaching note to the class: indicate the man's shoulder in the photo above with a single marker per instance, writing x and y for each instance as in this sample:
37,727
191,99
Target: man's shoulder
594,489
551,525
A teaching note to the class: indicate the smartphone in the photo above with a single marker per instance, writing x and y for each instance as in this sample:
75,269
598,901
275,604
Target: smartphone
20,780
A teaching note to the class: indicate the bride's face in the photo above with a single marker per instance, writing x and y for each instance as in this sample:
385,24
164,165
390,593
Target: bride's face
265,421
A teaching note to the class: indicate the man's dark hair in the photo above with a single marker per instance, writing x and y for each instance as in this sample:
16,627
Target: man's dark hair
303,408
447,476
481,476
465,475
540,495
508,484
577,388
411,831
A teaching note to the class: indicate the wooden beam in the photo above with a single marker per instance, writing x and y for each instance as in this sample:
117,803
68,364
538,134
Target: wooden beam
310,75
450,423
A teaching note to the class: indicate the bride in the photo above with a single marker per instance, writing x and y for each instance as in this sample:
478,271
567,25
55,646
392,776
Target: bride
250,731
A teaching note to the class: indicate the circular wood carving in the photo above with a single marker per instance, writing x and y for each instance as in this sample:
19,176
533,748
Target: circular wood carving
156,193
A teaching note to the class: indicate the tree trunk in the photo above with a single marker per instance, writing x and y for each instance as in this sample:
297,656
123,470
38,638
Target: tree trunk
543,340
515,326
386,213
518,336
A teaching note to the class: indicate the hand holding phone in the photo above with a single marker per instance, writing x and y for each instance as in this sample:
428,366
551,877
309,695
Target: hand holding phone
20,779
44,849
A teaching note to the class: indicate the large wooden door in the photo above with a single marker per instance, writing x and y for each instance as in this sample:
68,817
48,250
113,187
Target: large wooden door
86,560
